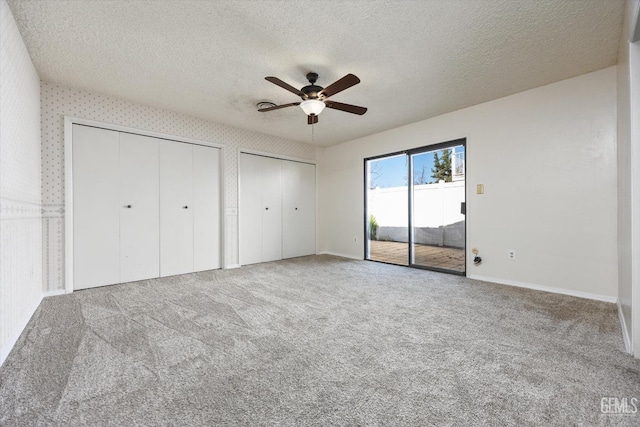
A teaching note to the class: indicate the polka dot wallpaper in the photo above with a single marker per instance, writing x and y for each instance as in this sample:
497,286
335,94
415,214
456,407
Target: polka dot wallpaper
59,101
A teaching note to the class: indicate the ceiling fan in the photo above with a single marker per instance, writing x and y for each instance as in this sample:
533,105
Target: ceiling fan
314,97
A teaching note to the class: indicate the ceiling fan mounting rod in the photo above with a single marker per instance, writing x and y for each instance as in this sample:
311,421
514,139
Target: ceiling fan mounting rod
312,77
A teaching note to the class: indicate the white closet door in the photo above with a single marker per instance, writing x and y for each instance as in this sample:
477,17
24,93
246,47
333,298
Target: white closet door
250,209
176,208
272,209
299,209
96,207
139,209
206,204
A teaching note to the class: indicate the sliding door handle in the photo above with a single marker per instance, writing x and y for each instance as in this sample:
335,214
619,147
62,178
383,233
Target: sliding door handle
128,206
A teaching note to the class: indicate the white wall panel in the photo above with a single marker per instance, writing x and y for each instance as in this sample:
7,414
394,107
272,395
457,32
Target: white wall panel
176,208
547,159
251,208
139,208
271,209
299,209
20,190
206,204
628,114
96,209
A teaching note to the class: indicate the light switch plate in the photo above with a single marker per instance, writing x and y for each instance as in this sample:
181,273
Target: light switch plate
480,189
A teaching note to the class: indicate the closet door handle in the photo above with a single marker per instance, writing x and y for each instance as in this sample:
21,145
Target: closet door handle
185,207
296,208
128,206
266,209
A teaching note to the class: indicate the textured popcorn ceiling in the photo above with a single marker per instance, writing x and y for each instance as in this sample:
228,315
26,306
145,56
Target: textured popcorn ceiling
416,59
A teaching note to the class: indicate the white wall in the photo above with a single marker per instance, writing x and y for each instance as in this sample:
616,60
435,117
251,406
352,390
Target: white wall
628,108
20,210
547,159
58,101
634,67
624,180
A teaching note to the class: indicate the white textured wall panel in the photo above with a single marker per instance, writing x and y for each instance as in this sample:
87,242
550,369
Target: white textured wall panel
623,110
547,160
20,210
58,101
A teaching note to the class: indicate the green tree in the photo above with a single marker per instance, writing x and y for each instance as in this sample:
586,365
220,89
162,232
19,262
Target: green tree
441,166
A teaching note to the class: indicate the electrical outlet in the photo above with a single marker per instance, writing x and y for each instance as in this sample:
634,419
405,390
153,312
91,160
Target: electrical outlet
511,254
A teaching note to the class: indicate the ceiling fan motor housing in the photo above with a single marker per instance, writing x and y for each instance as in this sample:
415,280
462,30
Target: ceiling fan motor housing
311,91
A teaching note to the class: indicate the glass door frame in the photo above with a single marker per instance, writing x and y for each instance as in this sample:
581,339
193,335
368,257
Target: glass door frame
409,153
366,208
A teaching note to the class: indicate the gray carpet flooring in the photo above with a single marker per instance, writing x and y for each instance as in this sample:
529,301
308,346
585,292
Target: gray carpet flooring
317,341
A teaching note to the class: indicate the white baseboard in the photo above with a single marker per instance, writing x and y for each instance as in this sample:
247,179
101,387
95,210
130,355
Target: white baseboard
231,266
625,331
340,255
54,293
8,346
562,291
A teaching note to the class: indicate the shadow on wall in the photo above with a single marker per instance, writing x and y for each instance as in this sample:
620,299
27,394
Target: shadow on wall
451,235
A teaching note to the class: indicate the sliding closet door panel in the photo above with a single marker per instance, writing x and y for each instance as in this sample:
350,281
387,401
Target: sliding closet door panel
272,209
206,203
96,207
307,216
250,209
299,209
139,209
176,208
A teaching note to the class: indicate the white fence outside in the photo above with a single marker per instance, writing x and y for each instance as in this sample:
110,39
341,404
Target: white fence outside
436,213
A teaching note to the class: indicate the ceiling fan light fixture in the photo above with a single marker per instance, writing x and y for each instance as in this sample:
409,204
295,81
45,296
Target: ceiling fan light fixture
312,106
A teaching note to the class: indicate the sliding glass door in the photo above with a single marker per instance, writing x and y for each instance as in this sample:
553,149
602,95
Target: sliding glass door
437,196
415,207
387,209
